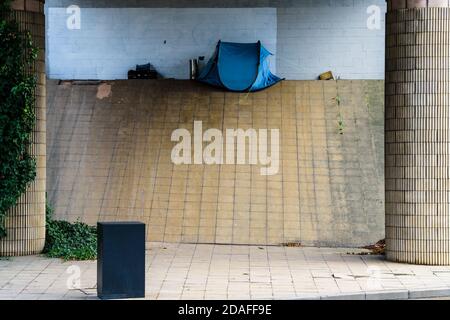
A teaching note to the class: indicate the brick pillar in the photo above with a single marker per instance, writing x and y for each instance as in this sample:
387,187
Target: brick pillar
418,131
25,222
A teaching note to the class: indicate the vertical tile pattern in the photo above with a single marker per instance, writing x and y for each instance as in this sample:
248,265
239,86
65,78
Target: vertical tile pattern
25,223
110,159
417,135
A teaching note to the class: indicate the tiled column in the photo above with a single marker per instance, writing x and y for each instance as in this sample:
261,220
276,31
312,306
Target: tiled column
25,223
418,131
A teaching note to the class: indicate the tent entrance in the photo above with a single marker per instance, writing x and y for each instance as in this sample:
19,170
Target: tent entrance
239,67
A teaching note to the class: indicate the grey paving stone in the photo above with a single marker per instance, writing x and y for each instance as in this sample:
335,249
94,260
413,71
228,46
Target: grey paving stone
387,295
345,296
180,272
429,293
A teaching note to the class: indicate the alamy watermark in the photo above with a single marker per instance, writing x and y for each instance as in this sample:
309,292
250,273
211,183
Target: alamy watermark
374,19
236,146
73,22
74,279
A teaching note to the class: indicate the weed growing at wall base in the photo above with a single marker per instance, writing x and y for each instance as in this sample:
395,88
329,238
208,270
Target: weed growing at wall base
69,241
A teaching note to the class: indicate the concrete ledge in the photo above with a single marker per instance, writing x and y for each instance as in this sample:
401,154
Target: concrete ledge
387,295
382,295
429,293
306,297
345,296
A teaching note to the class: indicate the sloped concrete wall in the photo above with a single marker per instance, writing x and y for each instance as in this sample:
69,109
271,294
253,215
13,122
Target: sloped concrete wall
109,158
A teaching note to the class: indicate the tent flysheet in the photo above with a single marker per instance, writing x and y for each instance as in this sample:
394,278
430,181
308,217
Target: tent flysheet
240,67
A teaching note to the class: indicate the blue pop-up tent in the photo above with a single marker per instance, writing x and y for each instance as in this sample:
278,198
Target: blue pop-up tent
240,67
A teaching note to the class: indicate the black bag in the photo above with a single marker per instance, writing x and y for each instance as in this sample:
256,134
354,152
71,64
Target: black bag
144,67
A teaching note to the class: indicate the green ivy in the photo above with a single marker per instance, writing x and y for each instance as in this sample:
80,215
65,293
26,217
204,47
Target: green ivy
5,5
17,118
69,241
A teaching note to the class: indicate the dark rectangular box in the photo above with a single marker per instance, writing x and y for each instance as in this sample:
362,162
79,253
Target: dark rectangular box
121,260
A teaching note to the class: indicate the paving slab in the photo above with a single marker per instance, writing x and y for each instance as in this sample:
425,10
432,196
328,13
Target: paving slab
199,271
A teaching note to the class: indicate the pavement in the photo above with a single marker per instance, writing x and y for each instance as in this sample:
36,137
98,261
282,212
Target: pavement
231,272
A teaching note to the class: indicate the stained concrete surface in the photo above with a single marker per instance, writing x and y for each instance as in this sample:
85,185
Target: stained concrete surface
109,159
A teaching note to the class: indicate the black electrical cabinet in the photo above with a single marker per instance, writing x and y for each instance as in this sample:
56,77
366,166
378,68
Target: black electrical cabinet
121,260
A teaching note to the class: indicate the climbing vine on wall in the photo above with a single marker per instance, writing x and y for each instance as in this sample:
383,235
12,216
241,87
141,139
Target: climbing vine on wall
17,118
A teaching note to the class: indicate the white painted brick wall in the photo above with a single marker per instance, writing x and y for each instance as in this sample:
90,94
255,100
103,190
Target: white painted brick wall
113,40
308,37
330,35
